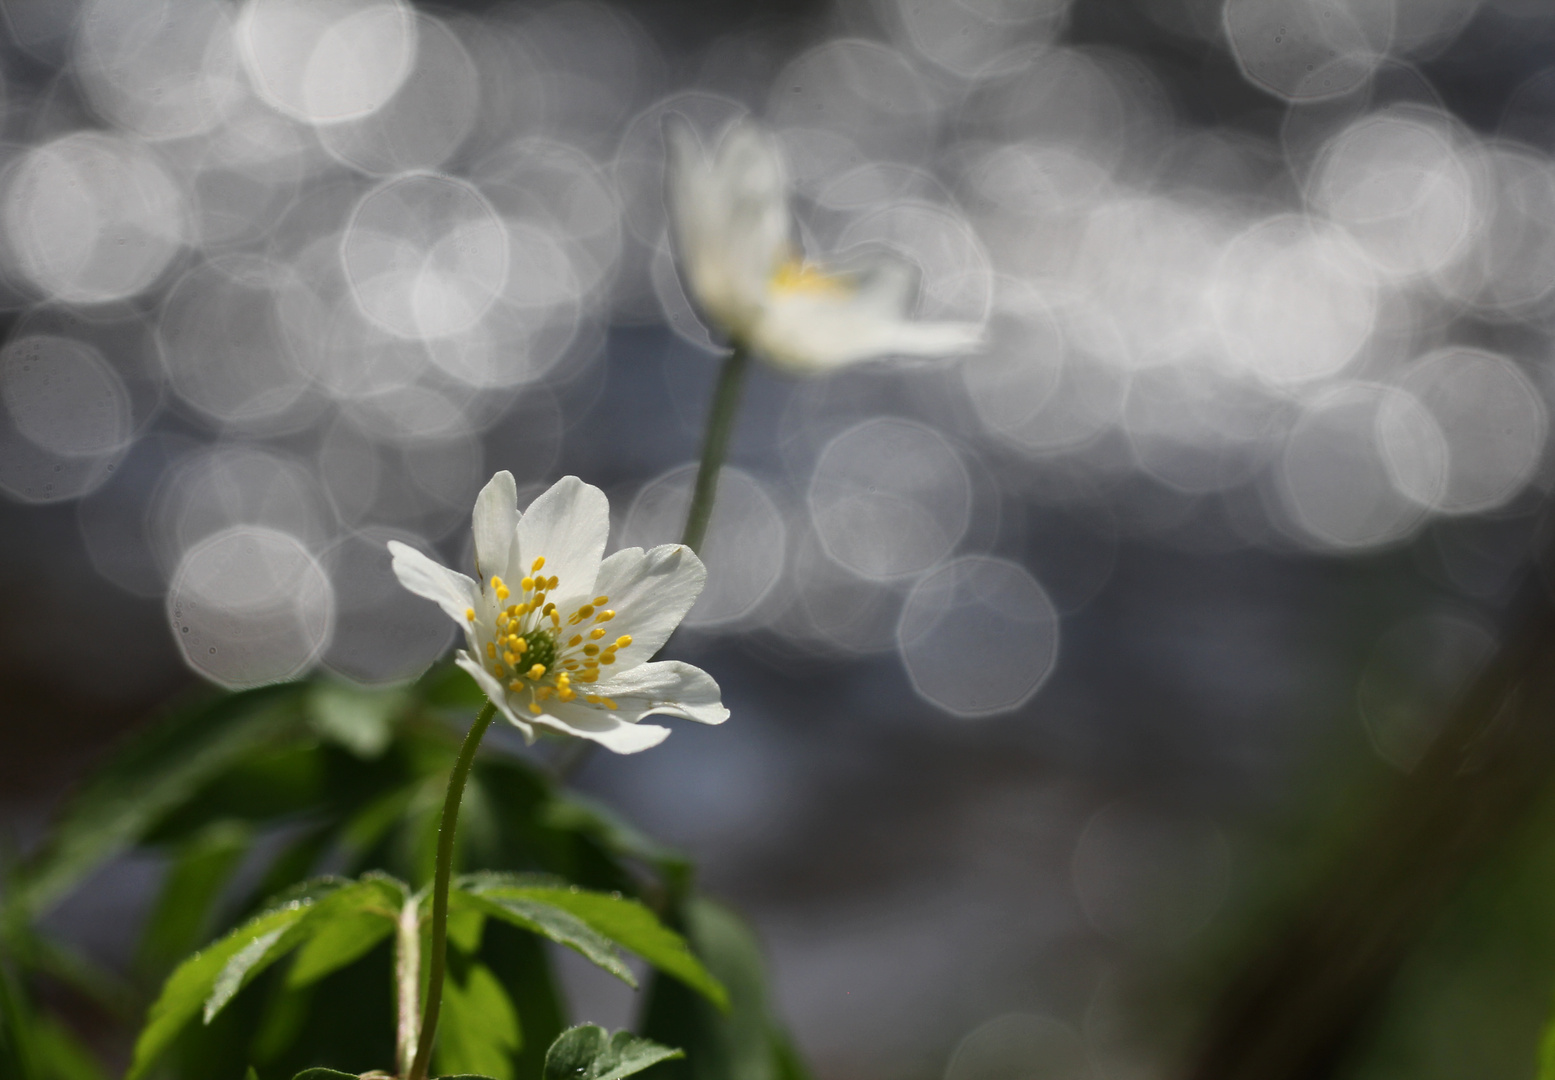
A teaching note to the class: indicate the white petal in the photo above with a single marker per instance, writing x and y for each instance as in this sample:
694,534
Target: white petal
608,729
668,687
567,525
729,217
494,692
650,592
808,332
449,589
495,517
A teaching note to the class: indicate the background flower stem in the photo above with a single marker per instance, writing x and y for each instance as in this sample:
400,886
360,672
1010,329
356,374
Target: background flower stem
445,859
715,445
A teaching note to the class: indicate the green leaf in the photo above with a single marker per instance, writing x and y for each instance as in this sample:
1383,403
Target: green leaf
550,922
626,922
479,1031
18,1055
587,1053
747,1043
346,926
61,1056
153,774
359,719
1547,1053
200,869
193,981
577,813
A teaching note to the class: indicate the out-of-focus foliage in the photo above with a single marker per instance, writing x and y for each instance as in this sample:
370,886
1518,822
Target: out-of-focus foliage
250,796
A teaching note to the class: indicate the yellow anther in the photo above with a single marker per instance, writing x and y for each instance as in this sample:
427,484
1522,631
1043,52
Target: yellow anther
589,676
591,650
570,665
539,598
592,699
601,601
597,633
510,657
608,658
552,583
521,645
496,582
796,275
491,650
496,669
543,693
623,641
604,616
534,708
515,686
469,613
607,703
502,592
576,639
585,611
566,695
537,564
528,583
537,672
556,619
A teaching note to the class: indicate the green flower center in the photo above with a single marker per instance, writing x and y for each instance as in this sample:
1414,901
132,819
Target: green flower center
542,648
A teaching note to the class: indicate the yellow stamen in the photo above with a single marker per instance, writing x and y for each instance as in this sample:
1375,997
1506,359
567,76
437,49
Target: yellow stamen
491,650
552,583
535,708
469,613
607,703
515,686
537,672
528,583
576,639
604,616
510,657
566,695
796,275
623,641
597,633
591,650
601,601
537,564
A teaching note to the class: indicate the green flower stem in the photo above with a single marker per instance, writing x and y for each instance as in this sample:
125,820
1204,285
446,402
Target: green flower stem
715,444
445,861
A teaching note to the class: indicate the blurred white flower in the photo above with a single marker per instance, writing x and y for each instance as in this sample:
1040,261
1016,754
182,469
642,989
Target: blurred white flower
559,637
733,234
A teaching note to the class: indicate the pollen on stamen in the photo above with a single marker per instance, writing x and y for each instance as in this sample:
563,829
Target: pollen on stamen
535,708
491,650
469,613
623,641
551,584
539,562
601,601
527,584
537,672
597,633
575,640
604,616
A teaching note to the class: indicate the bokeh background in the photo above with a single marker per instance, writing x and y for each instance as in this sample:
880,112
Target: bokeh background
1046,665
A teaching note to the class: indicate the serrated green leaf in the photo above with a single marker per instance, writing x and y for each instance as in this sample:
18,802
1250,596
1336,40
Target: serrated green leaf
551,922
151,775
201,867
586,1052
626,922
479,1031
346,926
191,983
359,719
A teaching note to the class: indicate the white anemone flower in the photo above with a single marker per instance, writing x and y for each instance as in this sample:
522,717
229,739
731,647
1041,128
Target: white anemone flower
733,233
560,637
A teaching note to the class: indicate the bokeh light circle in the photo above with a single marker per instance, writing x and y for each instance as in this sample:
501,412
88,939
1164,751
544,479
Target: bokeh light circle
978,636
250,606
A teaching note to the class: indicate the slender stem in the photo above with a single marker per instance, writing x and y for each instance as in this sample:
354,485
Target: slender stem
407,970
715,444
445,861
